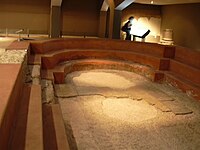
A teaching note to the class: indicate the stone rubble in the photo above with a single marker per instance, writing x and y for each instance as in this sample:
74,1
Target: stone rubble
47,92
33,77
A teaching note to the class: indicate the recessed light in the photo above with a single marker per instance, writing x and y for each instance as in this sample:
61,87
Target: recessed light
151,2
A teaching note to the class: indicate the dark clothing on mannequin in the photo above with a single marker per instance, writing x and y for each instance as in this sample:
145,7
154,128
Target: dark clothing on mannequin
127,28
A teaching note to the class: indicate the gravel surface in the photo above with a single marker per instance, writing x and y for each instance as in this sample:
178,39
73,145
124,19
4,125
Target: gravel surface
12,56
2,50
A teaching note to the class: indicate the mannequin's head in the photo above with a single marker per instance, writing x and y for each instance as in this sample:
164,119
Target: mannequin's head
131,19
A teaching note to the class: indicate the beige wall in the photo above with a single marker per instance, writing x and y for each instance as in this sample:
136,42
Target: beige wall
77,17
146,16
31,14
80,17
185,21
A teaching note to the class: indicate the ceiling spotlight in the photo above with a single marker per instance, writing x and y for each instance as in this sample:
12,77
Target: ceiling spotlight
151,2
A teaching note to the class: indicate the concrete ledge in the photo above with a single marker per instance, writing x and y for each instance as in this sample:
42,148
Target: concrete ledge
54,130
34,132
18,45
11,85
17,143
61,137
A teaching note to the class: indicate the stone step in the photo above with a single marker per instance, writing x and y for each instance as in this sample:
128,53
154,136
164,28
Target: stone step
49,62
17,143
42,47
34,59
65,90
54,130
185,71
192,59
185,85
34,128
29,125
59,72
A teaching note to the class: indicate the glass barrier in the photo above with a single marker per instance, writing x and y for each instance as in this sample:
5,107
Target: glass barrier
21,34
14,32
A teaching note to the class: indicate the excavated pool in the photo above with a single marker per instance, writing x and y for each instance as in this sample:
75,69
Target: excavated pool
110,109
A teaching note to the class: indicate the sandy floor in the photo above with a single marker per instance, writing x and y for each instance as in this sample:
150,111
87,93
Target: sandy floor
118,110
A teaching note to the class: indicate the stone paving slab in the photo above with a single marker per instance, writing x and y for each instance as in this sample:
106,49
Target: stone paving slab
177,108
155,102
65,90
104,91
160,95
162,107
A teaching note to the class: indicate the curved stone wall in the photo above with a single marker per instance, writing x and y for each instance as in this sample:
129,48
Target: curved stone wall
58,57
51,54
